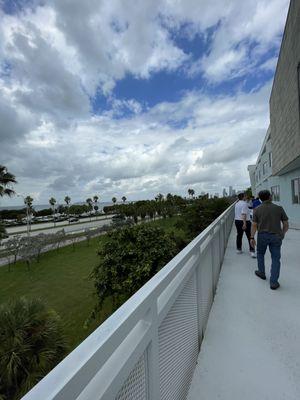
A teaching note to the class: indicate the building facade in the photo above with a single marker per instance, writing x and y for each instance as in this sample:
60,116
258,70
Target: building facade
278,164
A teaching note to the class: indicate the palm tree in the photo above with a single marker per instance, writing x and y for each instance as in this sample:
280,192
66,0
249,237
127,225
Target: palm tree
169,197
28,202
114,200
67,200
96,208
6,179
89,202
159,197
32,343
52,202
191,192
124,199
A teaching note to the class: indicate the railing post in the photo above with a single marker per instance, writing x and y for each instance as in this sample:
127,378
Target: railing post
224,236
220,245
213,263
199,300
153,358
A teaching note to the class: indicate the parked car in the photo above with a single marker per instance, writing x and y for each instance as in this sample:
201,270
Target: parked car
73,219
118,217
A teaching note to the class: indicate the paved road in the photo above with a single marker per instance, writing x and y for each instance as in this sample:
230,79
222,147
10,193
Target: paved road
49,227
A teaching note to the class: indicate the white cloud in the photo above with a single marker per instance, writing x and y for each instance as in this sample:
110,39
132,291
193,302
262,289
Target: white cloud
143,155
234,46
269,65
54,58
227,64
92,47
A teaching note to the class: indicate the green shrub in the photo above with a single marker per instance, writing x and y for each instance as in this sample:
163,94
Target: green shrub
129,258
31,344
200,213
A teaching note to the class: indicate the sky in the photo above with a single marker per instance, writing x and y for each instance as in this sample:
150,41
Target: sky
134,97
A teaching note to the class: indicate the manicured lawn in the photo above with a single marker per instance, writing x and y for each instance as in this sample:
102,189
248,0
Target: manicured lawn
61,279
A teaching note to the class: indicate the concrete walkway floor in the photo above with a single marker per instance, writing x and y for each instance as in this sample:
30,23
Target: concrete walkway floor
251,349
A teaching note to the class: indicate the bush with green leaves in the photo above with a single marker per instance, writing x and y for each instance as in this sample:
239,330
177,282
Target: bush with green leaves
31,344
200,213
129,258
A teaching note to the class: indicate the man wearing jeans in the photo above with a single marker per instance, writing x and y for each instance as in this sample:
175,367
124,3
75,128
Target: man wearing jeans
271,222
243,224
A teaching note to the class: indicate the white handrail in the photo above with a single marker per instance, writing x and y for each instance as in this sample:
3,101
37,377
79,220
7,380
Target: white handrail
100,366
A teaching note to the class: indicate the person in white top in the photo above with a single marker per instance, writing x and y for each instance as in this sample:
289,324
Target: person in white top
243,224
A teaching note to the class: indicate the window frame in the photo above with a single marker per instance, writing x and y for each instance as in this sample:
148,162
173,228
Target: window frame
265,168
275,191
295,197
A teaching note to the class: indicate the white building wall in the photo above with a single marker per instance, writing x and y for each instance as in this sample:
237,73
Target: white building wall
285,184
285,189
261,178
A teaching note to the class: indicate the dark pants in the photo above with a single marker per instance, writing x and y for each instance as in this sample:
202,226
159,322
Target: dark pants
265,239
240,232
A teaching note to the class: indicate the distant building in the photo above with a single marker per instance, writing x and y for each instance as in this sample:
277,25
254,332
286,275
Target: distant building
224,193
278,165
230,191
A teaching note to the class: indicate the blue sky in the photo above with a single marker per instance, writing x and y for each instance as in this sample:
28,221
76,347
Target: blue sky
155,96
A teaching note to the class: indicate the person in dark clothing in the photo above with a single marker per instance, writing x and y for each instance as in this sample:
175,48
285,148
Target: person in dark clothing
243,224
255,203
271,223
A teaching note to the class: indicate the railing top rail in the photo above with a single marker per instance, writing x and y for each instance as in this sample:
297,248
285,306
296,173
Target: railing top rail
117,326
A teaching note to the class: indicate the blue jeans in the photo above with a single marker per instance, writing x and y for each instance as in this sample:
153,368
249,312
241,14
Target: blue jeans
265,239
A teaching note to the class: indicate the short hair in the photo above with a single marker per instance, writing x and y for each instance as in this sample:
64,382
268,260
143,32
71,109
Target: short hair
241,196
264,195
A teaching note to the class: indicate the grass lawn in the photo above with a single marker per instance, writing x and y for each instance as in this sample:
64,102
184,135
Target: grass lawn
61,279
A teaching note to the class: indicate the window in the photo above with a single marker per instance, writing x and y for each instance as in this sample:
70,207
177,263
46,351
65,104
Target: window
296,191
275,190
270,160
259,175
265,167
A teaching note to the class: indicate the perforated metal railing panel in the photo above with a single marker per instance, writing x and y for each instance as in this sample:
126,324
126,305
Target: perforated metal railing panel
178,345
135,386
206,286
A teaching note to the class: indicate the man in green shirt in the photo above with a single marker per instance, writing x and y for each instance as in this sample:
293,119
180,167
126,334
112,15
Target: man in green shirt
271,222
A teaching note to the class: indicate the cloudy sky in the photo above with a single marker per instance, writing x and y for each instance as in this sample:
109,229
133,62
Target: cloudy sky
134,97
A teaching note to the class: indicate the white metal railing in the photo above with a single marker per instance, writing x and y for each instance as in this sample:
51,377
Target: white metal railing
147,349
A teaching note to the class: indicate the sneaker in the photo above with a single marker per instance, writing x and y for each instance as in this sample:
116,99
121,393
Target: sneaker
274,285
239,252
261,275
252,254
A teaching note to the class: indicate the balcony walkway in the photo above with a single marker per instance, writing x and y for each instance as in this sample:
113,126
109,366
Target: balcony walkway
251,348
